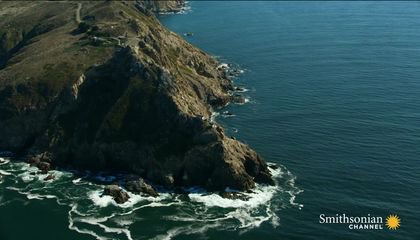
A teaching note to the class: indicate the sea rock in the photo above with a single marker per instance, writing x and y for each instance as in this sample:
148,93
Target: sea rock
41,161
118,194
140,186
168,181
239,99
34,160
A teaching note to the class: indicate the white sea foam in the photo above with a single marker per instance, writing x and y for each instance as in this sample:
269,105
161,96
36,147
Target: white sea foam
255,209
228,115
107,229
213,117
97,221
103,200
31,196
100,200
124,222
85,231
71,225
4,173
260,196
26,176
223,66
241,89
188,230
246,219
183,10
4,161
76,181
156,203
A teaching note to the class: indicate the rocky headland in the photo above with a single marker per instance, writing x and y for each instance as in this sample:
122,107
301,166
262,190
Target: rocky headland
102,85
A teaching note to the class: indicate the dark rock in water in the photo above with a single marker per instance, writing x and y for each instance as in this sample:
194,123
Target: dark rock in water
140,186
41,161
168,181
119,195
273,166
233,195
49,177
239,99
34,161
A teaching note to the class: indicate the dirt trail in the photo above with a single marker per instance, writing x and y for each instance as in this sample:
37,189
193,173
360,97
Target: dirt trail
79,8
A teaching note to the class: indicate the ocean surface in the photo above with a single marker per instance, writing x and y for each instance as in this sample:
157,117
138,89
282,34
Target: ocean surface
334,101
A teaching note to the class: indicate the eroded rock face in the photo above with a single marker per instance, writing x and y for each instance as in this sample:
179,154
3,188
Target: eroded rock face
144,106
118,194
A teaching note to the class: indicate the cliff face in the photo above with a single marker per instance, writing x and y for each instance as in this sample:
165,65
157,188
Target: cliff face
116,90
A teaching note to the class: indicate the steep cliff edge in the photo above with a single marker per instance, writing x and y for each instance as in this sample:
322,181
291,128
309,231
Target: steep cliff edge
116,91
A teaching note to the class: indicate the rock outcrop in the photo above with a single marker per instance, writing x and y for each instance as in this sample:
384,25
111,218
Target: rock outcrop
119,195
140,100
140,186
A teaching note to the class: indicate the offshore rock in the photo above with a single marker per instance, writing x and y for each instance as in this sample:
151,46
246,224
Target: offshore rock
140,186
119,195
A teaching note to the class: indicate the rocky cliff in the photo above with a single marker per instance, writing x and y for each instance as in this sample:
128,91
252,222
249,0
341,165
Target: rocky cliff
104,86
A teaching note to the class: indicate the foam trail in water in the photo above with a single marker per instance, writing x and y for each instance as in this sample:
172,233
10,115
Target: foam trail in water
104,200
4,161
4,173
189,230
76,181
81,231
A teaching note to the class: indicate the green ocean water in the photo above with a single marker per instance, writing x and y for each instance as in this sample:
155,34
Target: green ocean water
333,91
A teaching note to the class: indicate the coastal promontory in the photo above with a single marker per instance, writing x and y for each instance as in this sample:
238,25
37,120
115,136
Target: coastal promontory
102,85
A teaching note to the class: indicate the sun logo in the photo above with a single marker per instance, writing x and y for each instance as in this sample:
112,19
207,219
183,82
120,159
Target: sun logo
393,222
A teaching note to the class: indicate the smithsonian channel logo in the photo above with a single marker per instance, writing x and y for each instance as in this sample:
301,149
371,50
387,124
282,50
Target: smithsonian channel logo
391,222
